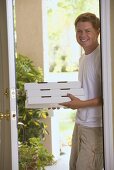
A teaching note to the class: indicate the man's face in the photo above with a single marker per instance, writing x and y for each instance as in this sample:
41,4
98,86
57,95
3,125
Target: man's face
87,36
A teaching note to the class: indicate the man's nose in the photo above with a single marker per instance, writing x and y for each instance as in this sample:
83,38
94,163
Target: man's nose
83,33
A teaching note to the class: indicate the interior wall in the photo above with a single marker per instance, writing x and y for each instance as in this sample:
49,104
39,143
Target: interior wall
29,30
112,49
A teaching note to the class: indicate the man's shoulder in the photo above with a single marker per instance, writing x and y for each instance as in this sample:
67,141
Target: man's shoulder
81,58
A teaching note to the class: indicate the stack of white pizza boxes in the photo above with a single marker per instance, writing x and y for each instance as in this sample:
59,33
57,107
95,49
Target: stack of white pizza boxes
49,94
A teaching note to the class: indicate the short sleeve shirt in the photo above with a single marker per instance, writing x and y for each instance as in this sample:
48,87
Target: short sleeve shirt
90,78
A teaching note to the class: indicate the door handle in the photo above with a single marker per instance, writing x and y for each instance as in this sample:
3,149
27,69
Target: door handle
1,116
4,116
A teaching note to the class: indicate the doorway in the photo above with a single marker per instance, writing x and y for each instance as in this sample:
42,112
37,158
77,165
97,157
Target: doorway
108,137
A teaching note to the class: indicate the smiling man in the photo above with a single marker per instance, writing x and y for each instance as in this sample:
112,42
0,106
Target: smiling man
87,139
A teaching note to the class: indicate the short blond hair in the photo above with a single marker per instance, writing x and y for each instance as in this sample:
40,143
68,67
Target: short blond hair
88,17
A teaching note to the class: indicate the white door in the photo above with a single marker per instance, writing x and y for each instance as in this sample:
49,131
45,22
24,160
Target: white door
107,37
8,118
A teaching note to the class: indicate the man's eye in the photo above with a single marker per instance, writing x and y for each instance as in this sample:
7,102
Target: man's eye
79,31
87,30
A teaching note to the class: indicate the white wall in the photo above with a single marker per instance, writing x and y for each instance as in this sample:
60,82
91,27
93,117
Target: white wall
112,50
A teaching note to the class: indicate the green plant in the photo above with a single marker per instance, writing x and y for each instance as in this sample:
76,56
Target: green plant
30,124
33,155
31,128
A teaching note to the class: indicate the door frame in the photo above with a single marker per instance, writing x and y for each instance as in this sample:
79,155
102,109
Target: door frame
106,77
107,84
12,84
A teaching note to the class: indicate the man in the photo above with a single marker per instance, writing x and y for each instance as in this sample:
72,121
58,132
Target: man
87,139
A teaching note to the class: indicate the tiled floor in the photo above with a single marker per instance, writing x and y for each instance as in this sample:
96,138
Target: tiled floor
63,162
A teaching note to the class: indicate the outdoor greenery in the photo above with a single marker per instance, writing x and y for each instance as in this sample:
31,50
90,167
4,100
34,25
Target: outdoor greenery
31,128
30,124
33,155
66,124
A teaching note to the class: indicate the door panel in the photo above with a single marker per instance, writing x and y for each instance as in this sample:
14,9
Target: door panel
8,121
1,156
3,85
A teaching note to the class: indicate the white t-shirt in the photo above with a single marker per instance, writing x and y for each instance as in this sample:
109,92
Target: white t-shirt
90,78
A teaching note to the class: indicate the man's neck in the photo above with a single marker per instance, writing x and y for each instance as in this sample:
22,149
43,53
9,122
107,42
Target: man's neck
91,49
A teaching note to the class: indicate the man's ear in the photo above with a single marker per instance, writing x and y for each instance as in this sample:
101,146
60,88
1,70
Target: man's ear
98,31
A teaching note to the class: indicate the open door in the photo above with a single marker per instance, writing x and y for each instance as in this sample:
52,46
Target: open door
107,38
8,116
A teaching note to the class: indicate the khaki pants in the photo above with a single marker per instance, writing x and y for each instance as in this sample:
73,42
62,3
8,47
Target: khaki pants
87,148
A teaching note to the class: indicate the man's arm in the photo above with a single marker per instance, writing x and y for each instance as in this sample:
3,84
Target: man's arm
76,103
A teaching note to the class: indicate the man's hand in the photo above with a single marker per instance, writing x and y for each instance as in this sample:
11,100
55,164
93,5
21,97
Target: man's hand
75,102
